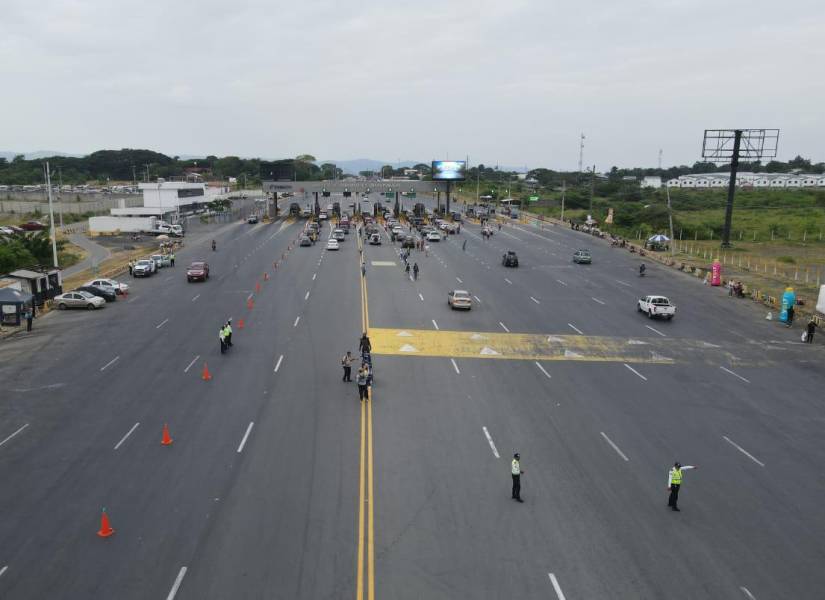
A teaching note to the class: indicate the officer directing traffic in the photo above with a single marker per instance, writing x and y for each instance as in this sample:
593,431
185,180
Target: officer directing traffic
516,471
674,482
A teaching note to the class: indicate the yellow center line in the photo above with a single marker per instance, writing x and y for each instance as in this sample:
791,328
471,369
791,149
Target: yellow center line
365,494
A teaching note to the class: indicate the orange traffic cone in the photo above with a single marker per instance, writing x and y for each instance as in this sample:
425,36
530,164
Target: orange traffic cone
206,375
105,528
167,439
257,286
240,323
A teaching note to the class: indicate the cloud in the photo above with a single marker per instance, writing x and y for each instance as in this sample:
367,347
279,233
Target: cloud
509,82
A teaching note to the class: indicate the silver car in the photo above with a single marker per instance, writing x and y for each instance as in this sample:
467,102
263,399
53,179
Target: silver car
78,299
109,284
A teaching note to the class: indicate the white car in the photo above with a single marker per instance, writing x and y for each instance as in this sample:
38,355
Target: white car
460,299
339,235
78,299
656,306
109,284
433,236
332,244
144,267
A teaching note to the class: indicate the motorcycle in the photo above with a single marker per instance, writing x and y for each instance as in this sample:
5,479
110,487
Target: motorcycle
214,246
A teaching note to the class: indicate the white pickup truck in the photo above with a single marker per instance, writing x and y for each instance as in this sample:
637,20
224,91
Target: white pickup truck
656,306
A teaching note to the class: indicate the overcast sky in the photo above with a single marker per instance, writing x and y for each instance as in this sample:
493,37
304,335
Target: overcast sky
512,82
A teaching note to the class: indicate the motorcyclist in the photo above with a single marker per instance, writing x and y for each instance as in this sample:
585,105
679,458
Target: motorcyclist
214,245
642,269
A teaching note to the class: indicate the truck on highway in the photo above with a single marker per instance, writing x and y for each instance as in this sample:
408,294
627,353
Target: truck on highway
147,225
656,306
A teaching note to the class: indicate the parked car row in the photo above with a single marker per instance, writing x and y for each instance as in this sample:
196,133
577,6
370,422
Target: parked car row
91,295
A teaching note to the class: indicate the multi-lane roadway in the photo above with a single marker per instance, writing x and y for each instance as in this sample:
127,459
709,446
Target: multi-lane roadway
280,484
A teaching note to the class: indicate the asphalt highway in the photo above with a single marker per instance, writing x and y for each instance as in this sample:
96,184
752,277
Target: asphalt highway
281,484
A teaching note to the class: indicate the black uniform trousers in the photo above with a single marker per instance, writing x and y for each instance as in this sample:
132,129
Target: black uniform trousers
347,373
517,487
674,495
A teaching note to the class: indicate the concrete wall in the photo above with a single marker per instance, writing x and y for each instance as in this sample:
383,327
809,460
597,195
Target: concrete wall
20,202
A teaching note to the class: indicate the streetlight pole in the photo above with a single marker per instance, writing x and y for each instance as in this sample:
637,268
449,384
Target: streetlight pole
51,213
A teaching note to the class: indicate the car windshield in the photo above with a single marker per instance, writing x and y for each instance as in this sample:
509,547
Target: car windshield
85,294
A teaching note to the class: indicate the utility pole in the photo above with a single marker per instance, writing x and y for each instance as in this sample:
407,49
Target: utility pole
563,189
134,176
581,154
592,186
670,218
60,195
660,159
51,213
147,173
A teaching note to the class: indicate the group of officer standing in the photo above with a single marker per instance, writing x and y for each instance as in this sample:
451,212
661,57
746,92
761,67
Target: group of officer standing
225,336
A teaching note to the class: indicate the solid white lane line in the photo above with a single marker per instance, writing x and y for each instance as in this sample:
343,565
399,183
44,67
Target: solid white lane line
504,327
314,275
246,435
655,330
110,363
574,328
14,434
250,296
597,300
458,280
635,371
128,433
189,366
743,451
538,364
623,283
615,447
561,282
422,297
477,298
455,366
435,325
298,318
278,364
490,441
306,296
161,324
508,281
556,586
747,593
734,374
534,300
178,580
196,297
3,570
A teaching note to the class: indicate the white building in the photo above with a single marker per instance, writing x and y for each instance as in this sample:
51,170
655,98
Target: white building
747,179
651,181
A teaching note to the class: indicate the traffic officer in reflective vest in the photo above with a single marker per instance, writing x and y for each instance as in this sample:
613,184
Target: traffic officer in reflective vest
674,482
228,332
516,471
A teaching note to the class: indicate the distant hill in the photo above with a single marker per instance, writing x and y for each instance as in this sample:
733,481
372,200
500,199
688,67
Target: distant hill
36,154
353,167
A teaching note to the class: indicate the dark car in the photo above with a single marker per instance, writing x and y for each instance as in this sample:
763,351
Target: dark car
409,241
197,271
305,241
32,226
510,259
107,295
